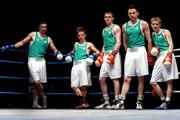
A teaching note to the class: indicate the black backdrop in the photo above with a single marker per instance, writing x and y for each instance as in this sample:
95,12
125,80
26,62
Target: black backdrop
18,18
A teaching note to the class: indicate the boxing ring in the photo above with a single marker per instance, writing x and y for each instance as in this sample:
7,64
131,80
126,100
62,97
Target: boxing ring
15,80
14,86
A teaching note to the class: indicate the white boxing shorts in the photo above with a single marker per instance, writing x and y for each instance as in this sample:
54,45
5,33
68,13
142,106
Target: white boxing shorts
136,63
80,74
161,72
37,69
111,70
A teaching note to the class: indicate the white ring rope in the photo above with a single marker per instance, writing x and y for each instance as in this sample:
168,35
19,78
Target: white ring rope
177,56
177,49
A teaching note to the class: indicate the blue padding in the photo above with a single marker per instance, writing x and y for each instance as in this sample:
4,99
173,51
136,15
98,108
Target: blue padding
15,50
25,51
13,77
49,78
16,62
51,63
8,61
12,93
56,94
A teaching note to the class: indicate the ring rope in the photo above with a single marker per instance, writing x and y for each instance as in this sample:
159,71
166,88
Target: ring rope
54,78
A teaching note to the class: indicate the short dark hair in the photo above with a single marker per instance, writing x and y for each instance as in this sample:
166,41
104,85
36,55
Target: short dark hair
42,22
109,12
132,6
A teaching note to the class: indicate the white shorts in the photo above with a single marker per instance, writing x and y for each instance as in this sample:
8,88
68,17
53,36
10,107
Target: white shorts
80,74
37,70
109,70
136,63
162,73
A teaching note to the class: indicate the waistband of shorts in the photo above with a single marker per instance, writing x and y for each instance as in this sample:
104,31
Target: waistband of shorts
135,49
163,53
78,62
107,51
36,58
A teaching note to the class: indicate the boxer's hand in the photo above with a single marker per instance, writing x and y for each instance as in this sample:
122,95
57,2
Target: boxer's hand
5,47
111,58
99,60
58,55
69,58
91,58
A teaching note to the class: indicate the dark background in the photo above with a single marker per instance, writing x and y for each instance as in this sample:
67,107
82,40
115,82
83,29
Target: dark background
19,18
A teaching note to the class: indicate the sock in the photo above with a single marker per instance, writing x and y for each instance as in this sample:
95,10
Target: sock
35,100
116,97
168,99
140,97
163,99
106,97
122,97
